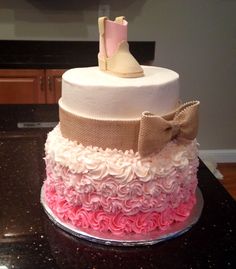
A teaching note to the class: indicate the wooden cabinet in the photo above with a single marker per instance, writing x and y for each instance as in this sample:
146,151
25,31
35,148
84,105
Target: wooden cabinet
53,85
22,86
30,86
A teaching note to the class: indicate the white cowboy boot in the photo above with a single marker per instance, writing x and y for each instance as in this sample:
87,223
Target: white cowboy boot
114,55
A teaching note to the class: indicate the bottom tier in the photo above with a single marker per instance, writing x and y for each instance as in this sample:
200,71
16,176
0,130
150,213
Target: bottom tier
119,192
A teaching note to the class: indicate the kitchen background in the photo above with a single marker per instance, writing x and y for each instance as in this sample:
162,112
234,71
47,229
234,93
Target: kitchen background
197,39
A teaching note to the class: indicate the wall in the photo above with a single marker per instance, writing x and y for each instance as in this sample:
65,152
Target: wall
195,38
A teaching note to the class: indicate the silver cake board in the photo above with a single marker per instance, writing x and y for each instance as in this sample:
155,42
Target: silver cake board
150,238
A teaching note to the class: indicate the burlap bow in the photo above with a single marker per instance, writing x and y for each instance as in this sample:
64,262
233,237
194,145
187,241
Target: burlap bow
146,135
155,131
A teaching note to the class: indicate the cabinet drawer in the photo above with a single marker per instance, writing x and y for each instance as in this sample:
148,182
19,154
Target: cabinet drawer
22,86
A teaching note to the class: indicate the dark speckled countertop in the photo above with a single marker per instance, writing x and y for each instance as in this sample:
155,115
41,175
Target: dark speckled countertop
28,239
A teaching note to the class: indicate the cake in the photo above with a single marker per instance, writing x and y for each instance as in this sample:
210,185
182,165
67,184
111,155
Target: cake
124,157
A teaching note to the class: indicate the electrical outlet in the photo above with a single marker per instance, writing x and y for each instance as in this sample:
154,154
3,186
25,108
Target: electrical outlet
103,10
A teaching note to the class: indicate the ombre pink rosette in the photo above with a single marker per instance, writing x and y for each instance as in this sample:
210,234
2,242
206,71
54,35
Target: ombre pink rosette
116,191
117,223
99,221
124,167
131,198
183,211
144,198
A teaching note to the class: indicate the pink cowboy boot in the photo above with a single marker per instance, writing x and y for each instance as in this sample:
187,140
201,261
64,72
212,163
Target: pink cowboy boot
114,55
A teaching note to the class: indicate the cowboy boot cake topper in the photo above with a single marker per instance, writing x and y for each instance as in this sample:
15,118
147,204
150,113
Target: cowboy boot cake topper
114,56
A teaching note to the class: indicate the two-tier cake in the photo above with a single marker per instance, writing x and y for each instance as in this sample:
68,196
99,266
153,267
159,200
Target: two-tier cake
123,159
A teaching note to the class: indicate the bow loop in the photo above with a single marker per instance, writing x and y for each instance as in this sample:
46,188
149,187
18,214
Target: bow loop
187,116
156,131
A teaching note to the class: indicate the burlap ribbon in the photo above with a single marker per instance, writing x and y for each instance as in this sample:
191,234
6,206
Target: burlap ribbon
146,135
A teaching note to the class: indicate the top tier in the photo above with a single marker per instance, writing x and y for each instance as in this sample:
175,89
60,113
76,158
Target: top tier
89,92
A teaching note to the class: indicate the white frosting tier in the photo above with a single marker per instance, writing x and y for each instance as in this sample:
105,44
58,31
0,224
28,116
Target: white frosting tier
90,92
124,166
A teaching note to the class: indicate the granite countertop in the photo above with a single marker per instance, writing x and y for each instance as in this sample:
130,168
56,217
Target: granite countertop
28,239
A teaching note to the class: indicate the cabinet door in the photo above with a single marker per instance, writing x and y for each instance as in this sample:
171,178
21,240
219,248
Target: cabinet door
53,85
22,86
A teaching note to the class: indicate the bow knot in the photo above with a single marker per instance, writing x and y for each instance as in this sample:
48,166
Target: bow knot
156,131
175,128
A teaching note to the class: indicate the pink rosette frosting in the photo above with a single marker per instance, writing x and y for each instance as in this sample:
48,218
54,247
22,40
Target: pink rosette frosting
129,198
98,164
116,191
117,223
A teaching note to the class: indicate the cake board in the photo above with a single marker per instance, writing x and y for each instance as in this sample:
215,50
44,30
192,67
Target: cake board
150,238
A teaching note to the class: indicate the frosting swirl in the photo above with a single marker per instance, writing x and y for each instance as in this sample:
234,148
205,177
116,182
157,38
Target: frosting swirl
117,223
111,196
118,191
97,163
